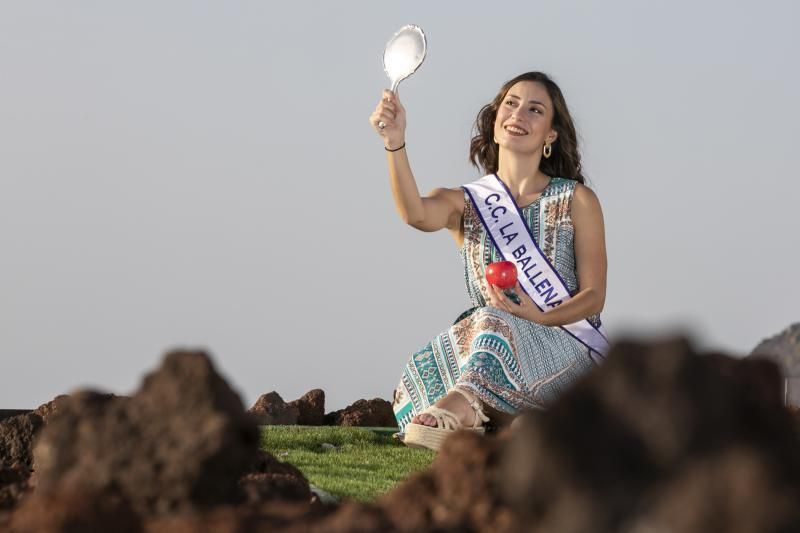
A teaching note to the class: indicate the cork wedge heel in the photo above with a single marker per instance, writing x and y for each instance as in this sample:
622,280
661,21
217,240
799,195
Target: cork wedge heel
430,437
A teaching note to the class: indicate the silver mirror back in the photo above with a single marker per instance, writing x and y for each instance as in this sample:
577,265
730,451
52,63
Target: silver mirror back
404,53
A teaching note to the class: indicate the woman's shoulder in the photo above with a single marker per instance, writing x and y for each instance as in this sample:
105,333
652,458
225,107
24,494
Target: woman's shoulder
585,201
574,187
584,193
559,183
451,194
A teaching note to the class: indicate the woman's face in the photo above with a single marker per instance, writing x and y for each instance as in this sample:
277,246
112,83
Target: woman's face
524,118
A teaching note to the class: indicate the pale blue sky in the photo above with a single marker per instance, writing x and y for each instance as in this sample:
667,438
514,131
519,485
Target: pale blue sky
203,174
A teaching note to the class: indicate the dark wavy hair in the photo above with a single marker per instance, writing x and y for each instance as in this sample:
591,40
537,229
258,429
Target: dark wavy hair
566,159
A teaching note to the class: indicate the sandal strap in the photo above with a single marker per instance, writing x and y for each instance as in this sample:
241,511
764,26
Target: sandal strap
480,416
444,419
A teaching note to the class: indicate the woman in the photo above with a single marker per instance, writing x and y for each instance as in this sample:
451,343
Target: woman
505,354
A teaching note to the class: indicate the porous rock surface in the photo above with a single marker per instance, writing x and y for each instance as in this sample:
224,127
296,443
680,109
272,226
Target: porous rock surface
461,491
310,408
270,409
13,484
48,409
181,442
364,413
75,508
269,479
784,349
17,435
658,438
16,438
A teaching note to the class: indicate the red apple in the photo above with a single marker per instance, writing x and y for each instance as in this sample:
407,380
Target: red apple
502,273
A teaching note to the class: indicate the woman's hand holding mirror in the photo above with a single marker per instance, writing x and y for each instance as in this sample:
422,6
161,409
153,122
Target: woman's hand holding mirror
389,118
403,55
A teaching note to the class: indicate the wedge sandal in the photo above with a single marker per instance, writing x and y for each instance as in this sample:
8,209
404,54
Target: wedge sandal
430,437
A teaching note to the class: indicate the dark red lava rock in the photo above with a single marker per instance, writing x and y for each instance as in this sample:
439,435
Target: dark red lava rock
181,442
460,492
13,484
784,349
270,409
16,439
659,430
658,438
794,413
273,517
350,517
731,491
218,520
46,410
364,413
8,413
270,479
310,408
75,508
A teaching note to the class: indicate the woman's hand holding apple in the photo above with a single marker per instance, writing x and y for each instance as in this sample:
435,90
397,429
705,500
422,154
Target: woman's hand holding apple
499,277
502,273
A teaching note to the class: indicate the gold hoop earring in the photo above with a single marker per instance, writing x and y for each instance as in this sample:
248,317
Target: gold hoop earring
547,151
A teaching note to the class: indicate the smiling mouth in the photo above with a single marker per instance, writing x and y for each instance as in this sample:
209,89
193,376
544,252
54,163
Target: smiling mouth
515,130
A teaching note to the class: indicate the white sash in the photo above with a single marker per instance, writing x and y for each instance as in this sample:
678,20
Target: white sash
503,221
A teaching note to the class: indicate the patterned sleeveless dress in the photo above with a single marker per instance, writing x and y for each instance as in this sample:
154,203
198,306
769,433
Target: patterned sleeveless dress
508,362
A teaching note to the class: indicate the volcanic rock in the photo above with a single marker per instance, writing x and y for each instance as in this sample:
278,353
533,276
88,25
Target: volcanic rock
218,520
270,479
16,439
794,412
13,484
656,431
364,413
8,413
181,442
349,517
730,491
310,408
75,508
658,438
461,491
46,410
273,517
270,409
784,349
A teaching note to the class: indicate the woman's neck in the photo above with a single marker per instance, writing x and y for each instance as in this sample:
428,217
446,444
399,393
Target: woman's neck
522,175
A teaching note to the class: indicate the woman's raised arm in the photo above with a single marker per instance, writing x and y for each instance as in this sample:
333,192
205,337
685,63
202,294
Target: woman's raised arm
440,209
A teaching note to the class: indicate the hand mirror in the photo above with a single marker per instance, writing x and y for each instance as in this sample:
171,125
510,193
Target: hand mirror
404,53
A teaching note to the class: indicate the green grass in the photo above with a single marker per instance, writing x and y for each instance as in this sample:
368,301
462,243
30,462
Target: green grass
365,463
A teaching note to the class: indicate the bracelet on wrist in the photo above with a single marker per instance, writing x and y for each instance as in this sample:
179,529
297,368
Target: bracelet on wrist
395,149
